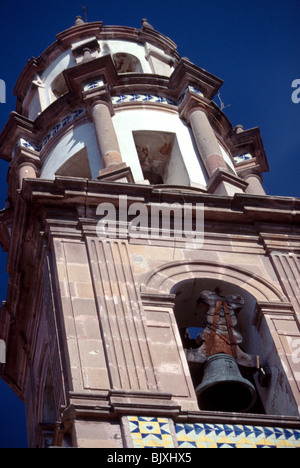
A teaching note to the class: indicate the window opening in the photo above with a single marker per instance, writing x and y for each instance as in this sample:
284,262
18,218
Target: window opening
221,370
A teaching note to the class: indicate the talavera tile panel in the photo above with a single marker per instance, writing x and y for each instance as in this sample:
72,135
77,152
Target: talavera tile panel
149,432
235,436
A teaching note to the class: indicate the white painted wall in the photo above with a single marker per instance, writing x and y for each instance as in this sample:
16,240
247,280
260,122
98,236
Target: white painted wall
39,101
63,62
66,60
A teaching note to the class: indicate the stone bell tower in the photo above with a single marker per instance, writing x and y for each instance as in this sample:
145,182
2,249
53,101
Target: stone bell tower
153,296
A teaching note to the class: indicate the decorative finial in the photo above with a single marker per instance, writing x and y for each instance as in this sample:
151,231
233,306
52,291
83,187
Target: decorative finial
146,25
79,21
239,128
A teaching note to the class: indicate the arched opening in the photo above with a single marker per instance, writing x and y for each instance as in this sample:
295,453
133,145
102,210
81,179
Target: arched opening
160,157
76,166
191,315
263,320
127,63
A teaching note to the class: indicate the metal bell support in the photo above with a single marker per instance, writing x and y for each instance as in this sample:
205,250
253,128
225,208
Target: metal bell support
223,388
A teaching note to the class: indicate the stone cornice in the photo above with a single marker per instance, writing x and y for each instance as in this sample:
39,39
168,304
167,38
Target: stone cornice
87,72
283,310
267,211
250,141
16,126
284,242
88,30
79,32
102,68
186,73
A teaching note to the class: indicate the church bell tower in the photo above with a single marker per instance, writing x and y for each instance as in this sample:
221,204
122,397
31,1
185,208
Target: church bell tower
153,296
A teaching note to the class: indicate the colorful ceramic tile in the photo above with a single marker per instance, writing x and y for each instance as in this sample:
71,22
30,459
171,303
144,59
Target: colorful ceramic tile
155,432
150,432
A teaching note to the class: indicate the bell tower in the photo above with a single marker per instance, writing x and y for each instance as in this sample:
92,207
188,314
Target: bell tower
153,296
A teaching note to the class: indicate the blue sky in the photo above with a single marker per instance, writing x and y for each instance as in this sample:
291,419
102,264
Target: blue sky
253,46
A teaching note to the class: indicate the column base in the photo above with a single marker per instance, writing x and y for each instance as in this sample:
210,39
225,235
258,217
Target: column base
224,183
116,173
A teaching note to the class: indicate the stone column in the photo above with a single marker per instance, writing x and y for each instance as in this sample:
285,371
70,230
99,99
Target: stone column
100,110
106,135
26,171
254,185
206,141
26,164
193,111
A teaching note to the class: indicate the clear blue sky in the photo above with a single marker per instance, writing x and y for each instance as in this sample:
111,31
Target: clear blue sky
253,46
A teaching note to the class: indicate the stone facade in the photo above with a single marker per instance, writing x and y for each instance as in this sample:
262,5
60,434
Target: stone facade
93,325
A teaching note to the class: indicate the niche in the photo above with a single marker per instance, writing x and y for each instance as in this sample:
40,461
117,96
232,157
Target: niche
160,157
127,63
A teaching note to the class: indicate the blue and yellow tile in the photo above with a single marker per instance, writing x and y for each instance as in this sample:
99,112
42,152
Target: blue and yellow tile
148,432
155,432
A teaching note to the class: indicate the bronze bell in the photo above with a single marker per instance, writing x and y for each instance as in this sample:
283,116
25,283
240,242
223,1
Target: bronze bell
223,388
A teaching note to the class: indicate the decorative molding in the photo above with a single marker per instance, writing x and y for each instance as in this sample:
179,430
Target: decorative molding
121,316
242,158
235,436
127,98
285,243
59,126
287,267
158,432
121,99
282,310
163,278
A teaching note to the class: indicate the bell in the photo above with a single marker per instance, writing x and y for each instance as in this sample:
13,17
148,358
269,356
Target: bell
223,388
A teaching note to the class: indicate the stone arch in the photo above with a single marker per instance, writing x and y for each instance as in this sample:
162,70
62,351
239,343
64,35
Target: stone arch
264,301
162,279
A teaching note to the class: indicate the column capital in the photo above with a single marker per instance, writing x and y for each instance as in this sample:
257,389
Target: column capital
99,95
191,103
24,155
25,164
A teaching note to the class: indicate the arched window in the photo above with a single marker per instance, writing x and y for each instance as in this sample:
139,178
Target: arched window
127,63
